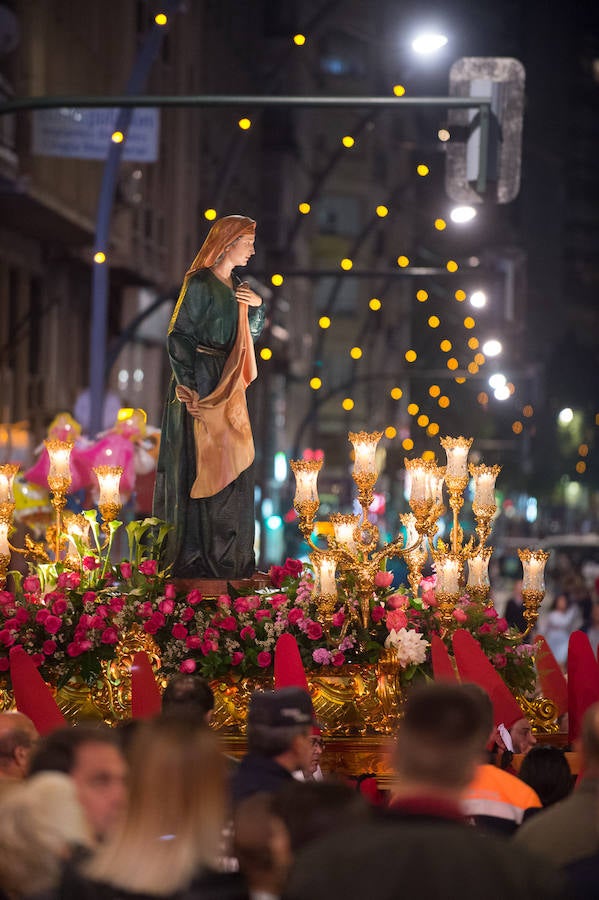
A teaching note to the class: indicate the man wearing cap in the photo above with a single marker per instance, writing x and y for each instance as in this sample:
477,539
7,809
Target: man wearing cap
279,736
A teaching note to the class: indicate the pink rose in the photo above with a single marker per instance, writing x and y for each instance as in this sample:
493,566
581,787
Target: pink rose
170,591
126,569
241,605
21,616
90,563
194,597
377,613
253,602
237,657
224,600
429,598
277,600
89,597
211,634
7,597
62,580
179,632
314,631
59,607
228,623
109,636
396,620
31,584
460,616
247,633
148,567
295,615
188,665
74,649
485,628
337,658
500,660
187,614
52,624
41,615
4,664
166,607
276,575
398,601
383,579
264,659
193,642
491,613
38,659
49,647
6,638
96,621
501,625
208,647
293,567
73,580
262,614
155,622
102,610
116,604
338,619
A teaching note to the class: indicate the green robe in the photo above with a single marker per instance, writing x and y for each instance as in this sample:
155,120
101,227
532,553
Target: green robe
213,537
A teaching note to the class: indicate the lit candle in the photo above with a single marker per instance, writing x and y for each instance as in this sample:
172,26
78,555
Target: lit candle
326,565
306,477
436,477
4,548
78,527
419,489
7,475
484,485
343,527
109,479
478,569
448,574
533,567
457,456
365,445
59,476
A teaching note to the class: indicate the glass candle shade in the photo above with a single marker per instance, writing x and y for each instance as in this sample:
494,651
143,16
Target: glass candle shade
484,485
7,476
77,527
478,569
365,445
4,548
59,476
344,527
457,456
419,487
533,567
448,574
436,477
109,479
306,478
324,569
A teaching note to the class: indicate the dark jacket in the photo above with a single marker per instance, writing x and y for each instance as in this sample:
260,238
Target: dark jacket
257,773
208,886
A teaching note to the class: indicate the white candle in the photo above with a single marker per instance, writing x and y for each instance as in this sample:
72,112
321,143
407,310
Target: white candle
343,527
419,488
59,476
4,548
7,475
326,566
365,445
484,485
448,575
436,476
457,456
306,478
533,567
109,479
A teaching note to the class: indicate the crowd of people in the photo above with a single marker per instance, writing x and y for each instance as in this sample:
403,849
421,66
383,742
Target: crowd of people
154,809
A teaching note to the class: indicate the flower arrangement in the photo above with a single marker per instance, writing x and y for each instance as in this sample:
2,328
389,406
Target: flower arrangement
69,618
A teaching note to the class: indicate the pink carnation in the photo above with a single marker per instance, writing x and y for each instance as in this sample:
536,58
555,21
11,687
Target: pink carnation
396,620
264,659
188,665
337,658
383,579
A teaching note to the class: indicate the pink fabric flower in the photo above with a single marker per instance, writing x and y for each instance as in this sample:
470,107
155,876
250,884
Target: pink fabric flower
188,665
109,636
314,631
264,659
126,569
194,597
148,567
383,579
396,620
90,563
237,657
52,624
49,647
460,616
179,632
378,613
247,633
295,615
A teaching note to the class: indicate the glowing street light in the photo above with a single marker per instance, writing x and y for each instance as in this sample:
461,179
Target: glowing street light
497,380
565,416
428,43
502,392
492,347
462,214
478,299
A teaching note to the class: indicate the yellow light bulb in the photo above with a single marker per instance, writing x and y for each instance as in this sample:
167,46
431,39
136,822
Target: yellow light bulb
160,19
117,137
396,393
210,214
434,321
245,124
382,211
434,390
421,295
440,224
390,432
459,379
324,322
422,169
407,444
346,264
411,356
304,208
348,141
443,134
480,359
299,40
528,411
451,265
266,353
277,280
99,257
413,409
355,352
472,368
399,90
428,456
403,261
483,398
445,346
315,384
348,404
375,303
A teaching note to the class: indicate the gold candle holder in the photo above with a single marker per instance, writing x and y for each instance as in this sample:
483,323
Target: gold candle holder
325,587
109,503
533,584
306,500
364,471
456,479
7,499
484,505
4,551
417,556
478,584
59,482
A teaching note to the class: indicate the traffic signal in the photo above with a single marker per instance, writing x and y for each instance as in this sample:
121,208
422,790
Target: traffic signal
485,146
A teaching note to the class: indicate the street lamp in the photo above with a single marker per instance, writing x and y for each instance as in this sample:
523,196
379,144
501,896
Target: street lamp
497,380
478,299
565,416
428,43
492,347
462,214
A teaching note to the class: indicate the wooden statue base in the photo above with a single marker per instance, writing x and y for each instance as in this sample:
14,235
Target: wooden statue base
214,587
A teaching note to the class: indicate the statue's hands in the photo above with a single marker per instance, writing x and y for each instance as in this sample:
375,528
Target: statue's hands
244,294
191,399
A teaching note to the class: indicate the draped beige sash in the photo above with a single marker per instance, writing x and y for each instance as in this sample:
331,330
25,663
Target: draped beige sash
223,436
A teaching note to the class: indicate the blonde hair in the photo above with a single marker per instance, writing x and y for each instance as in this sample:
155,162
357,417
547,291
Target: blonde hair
172,826
41,822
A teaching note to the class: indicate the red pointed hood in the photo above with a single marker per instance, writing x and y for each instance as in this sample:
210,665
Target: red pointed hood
443,669
32,695
146,699
553,681
474,666
583,681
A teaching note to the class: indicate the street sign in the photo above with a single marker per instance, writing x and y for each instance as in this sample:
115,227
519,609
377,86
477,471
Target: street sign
86,133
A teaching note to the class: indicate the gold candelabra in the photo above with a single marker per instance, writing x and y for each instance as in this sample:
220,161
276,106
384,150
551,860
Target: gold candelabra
353,556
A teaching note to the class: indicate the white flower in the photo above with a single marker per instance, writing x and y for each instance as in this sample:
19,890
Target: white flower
410,646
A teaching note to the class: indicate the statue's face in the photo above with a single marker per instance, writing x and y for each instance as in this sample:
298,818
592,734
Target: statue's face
241,250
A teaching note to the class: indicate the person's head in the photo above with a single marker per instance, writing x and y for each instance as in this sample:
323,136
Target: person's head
91,756
589,741
240,251
279,726
561,602
441,739
18,736
313,809
317,742
517,590
41,823
189,696
261,844
547,772
522,736
222,239
174,813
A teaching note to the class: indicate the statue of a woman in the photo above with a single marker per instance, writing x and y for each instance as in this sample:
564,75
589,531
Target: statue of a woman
204,479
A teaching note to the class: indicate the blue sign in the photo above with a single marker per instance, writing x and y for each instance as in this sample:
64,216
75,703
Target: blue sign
86,133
